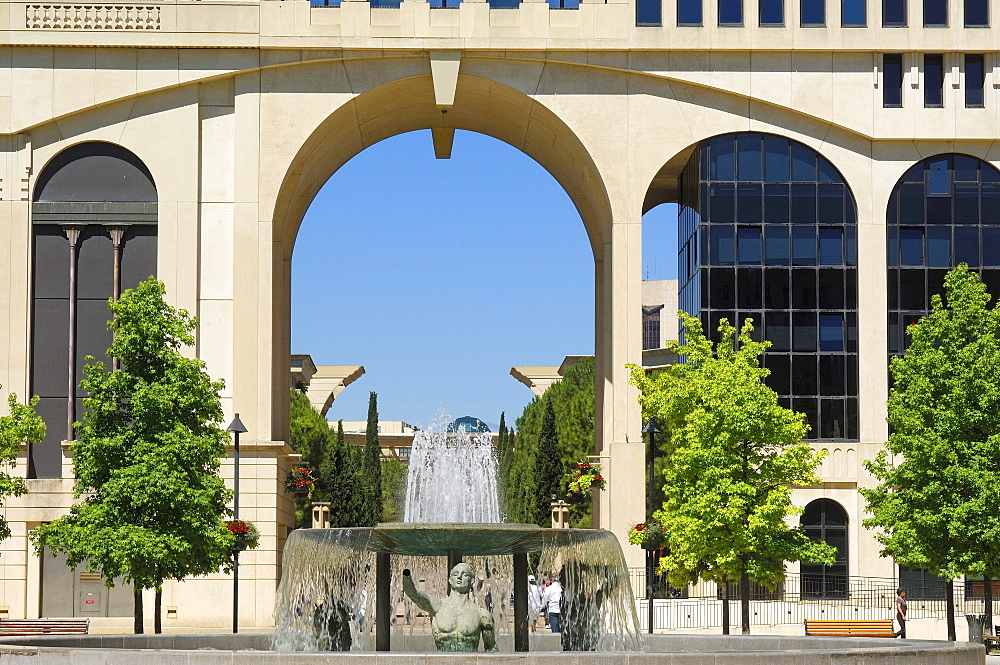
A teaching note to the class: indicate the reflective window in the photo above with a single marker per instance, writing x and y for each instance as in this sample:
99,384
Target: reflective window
941,213
935,13
730,12
777,221
825,520
647,12
977,14
772,12
853,13
894,13
933,80
812,12
975,78
689,12
892,80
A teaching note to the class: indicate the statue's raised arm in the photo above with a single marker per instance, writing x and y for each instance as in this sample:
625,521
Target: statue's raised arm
421,599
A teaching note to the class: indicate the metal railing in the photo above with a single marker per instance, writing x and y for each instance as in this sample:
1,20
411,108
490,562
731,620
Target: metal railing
799,598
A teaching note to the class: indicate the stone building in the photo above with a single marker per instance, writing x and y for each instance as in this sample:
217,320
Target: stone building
831,159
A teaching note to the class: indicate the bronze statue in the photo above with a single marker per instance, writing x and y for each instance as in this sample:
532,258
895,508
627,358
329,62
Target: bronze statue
456,621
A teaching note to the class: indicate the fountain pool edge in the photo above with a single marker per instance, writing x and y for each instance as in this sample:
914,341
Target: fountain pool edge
247,649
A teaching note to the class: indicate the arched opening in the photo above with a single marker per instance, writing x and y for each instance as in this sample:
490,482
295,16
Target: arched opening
826,520
767,230
943,211
94,214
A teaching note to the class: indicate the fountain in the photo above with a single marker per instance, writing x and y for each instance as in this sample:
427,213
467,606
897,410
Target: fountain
452,511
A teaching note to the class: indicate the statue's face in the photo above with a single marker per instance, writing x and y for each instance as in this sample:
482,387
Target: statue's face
461,578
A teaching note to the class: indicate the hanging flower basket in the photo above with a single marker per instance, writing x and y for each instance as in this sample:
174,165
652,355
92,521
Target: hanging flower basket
246,534
300,481
586,477
649,535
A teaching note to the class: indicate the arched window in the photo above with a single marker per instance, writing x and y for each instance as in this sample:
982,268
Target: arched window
945,210
767,231
825,520
94,232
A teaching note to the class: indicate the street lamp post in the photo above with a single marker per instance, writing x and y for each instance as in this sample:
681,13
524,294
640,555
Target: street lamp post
237,428
652,430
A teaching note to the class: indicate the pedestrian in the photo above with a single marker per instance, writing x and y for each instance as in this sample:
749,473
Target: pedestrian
901,612
551,599
534,602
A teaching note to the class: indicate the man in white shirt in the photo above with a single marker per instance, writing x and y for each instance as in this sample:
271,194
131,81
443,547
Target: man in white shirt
551,600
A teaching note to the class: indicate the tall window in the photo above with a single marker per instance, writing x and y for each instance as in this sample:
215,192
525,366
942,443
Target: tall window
768,226
975,79
935,13
772,12
944,211
730,12
921,584
933,80
977,13
651,327
894,13
892,80
812,13
853,13
825,520
94,231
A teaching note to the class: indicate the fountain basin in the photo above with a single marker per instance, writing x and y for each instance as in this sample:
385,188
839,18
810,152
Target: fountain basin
179,649
440,538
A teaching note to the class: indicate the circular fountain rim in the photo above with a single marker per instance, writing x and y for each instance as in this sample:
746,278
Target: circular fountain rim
470,538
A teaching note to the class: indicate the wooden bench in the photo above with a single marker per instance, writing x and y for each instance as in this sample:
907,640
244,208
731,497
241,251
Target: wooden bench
15,627
849,628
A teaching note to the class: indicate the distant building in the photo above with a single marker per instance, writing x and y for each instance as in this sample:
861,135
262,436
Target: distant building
469,424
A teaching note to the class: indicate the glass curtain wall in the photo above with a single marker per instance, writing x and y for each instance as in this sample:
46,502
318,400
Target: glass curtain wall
945,210
767,230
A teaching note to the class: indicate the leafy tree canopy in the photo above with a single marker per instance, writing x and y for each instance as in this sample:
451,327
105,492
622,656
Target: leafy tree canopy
147,455
938,493
734,455
22,426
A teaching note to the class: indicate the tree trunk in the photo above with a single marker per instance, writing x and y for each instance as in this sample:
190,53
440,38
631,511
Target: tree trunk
988,602
950,590
725,607
157,623
745,603
137,611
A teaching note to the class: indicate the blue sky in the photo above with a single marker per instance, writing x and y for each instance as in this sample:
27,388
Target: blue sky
440,275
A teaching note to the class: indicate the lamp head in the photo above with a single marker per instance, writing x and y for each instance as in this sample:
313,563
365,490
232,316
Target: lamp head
236,425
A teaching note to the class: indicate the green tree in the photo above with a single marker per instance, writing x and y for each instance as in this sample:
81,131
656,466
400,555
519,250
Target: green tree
22,426
572,400
938,493
393,487
735,455
147,457
549,465
372,466
342,479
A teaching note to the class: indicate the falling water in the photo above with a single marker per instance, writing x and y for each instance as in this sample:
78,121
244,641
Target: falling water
326,599
452,478
598,609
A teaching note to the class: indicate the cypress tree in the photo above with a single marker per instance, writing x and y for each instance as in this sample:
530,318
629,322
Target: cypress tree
503,461
548,461
372,465
341,477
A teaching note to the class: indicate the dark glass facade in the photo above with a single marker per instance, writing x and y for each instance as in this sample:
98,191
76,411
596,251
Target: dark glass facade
944,211
825,520
767,231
